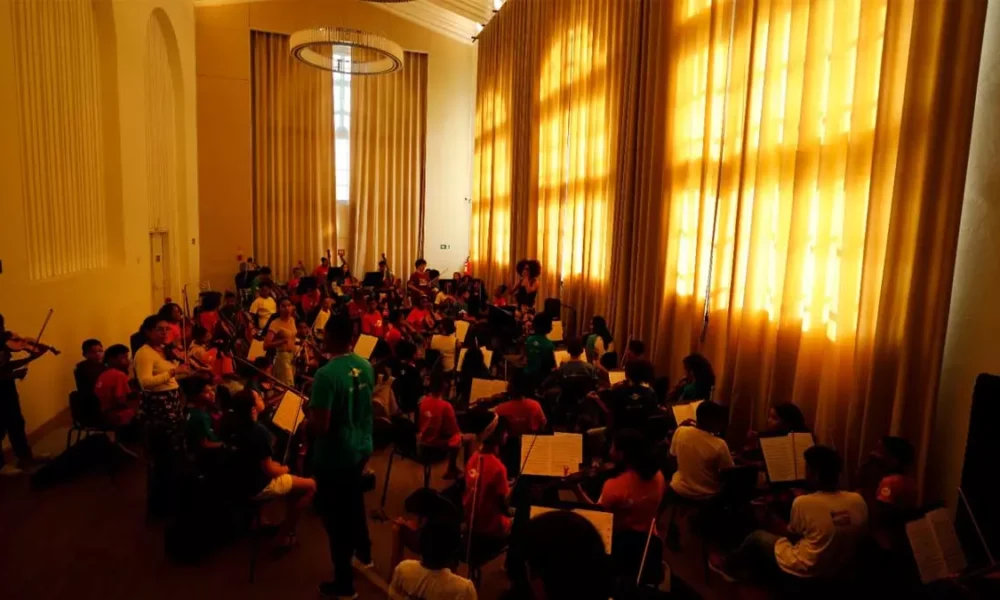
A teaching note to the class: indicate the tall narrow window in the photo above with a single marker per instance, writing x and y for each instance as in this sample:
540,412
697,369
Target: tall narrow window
342,124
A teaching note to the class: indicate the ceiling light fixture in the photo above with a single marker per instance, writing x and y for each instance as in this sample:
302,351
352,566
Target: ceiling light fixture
369,54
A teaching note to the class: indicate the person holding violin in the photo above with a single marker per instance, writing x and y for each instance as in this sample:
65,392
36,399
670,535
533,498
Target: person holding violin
161,406
11,419
698,381
419,284
281,338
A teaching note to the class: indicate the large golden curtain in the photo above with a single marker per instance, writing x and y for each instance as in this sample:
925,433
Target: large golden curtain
388,157
834,134
294,196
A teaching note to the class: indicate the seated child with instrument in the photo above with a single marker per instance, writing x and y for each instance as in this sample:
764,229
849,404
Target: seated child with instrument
431,578
701,454
486,484
119,402
437,425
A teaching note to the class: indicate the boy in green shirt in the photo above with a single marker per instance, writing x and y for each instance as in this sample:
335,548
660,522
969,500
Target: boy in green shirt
539,349
340,419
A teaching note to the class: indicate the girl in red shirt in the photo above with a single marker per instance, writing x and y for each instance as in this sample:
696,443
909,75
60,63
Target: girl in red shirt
438,427
486,486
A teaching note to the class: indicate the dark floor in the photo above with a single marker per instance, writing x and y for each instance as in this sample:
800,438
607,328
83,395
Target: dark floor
88,538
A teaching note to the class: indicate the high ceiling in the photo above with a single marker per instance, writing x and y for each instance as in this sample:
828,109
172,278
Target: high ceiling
457,19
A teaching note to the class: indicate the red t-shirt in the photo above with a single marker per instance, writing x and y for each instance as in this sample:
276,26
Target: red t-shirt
899,491
321,271
310,301
112,389
209,319
417,318
437,423
491,480
371,323
392,337
422,281
525,415
356,309
634,502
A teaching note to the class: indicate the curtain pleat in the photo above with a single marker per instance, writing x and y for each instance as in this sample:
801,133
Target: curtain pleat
799,163
294,192
388,158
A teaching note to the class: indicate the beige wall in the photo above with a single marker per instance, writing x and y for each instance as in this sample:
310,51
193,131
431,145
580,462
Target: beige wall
973,342
107,302
223,48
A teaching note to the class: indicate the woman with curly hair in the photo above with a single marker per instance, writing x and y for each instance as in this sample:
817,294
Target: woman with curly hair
526,290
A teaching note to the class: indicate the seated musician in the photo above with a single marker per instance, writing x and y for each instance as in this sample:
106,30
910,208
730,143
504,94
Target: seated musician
445,295
200,350
358,305
372,322
119,402
199,394
326,308
524,414
698,380
633,497
90,368
500,296
409,383
486,482
889,490
821,537
607,363
437,426
447,344
310,299
782,418
322,269
419,284
599,340
208,316
577,365
701,454
292,286
263,276
431,578
539,349
473,367
259,473
395,329
635,350
421,319
230,308
264,305
630,405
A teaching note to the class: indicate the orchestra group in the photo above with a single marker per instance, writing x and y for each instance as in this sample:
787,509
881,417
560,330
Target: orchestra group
198,390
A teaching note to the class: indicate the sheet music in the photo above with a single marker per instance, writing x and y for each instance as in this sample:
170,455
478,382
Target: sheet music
947,539
601,520
256,350
483,389
561,357
365,346
616,377
800,443
289,413
779,455
487,357
556,335
926,552
551,455
683,412
461,330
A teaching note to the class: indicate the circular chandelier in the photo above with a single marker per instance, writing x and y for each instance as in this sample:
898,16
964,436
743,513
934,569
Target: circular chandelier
367,53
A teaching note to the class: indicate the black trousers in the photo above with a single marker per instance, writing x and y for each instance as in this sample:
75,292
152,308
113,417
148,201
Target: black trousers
340,502
12,421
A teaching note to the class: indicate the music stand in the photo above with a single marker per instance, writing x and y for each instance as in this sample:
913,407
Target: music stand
373,279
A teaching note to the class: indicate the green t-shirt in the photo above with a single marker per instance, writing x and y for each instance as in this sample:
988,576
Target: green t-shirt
344,387
540,352
199,427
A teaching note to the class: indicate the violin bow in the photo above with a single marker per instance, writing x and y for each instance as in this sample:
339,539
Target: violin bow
472,513
45,324
645,551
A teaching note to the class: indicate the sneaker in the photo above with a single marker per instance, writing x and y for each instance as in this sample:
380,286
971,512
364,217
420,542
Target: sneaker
718,566
10,471
332,589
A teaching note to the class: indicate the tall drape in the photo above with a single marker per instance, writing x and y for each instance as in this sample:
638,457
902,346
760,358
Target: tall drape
388,158
294,192
807,176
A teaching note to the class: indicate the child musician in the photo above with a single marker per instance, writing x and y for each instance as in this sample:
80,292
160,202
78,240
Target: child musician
486,489
438,427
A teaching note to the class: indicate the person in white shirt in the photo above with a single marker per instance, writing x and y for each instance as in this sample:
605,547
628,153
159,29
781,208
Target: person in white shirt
264,305
446,344
823,531
431,577
701,455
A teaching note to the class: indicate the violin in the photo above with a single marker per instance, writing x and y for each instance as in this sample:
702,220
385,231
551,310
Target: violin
16,343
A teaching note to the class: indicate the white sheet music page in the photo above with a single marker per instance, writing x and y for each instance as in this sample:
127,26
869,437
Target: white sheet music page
561,357
365,346
926,552
801,442
601,520
779,457
556,335
536,455
483,389
947,539
289,412
461,330
683,412
567,454
616,377
256,350
487,357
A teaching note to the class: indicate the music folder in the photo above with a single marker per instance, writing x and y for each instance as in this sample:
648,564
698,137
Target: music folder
616,377
683,412
365,346
785,456
484,389
602,520
551,455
